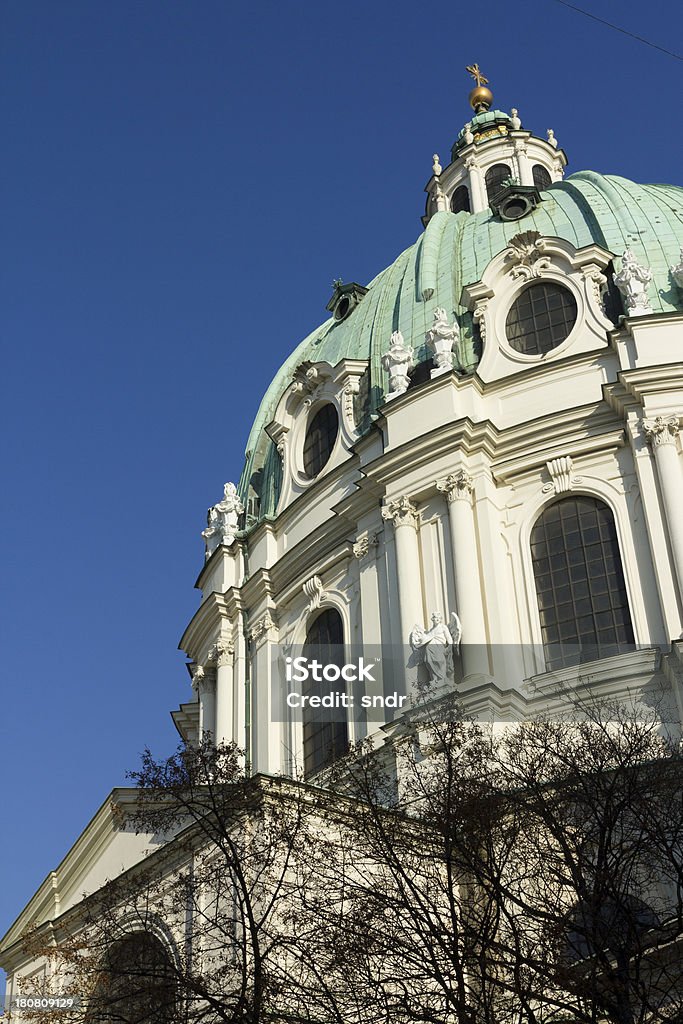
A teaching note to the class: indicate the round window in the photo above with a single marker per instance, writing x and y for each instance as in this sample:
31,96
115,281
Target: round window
540,319
320,438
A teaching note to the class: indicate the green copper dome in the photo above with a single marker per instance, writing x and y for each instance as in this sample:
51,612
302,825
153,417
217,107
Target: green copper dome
452,252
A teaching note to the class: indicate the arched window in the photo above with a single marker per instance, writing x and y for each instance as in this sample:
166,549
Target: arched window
580,584
325,729
460,200
542,179
320,439
495,176
137,984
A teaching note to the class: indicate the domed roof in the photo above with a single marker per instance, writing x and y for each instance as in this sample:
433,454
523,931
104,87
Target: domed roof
453,251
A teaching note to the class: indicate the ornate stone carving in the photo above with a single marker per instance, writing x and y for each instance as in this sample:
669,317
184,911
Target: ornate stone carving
351,389
551,138
436,647
677,272
471,162
441,339
261,627
436,166
314,591
364,542
222,520
397,362
479,317
306,382
561,475
525,254
468,136
515,121
595,281
660,430
221,652
203,678
401,512
439,197
456,485
632,281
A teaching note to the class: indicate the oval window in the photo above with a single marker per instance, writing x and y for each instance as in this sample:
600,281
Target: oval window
320,439
540,319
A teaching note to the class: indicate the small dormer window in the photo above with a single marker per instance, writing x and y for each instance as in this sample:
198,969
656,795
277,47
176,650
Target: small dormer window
320,439
345,298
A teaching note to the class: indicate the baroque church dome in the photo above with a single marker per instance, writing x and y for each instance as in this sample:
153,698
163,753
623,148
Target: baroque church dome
451,253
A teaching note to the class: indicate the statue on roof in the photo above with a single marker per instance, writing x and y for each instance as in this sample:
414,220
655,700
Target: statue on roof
222,520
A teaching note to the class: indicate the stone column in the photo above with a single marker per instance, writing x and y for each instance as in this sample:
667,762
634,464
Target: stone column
661,434
478,200
225,719
204,681
524,169
458,488
405,518
267,717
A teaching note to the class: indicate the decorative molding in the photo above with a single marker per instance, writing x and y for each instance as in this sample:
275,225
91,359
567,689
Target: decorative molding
660,430
350,390
595,282
397,361
677,272
364,542
456,486
262,626
441,339
203,678
306,383
479,317
561,475
401,512
632,281
525,254
221,652
223,520
314,591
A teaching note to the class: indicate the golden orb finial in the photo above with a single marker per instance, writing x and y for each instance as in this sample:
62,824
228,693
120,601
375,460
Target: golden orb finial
480,98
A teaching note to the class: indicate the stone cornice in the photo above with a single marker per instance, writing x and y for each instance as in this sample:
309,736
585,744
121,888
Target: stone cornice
206,622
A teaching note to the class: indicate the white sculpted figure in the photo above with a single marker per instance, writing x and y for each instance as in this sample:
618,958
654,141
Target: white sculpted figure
223,520
437,646
677,272
441,339
515,121
397,362
632,281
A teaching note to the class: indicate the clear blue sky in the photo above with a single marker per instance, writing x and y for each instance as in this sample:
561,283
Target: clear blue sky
181,181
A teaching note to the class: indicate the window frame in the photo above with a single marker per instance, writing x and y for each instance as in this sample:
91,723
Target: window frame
312,416
541,282
336,727
560,663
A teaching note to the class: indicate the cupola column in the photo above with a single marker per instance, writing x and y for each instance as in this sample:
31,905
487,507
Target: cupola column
266,709
477,187
458,488
405,517
524,169
661,433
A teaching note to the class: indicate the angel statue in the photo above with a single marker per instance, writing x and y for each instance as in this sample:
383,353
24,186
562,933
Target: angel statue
436,647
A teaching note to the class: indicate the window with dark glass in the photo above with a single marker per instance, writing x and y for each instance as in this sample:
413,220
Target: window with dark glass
325,729
542,179
495,176
460,200
320,439
137,984
540,318
580,585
